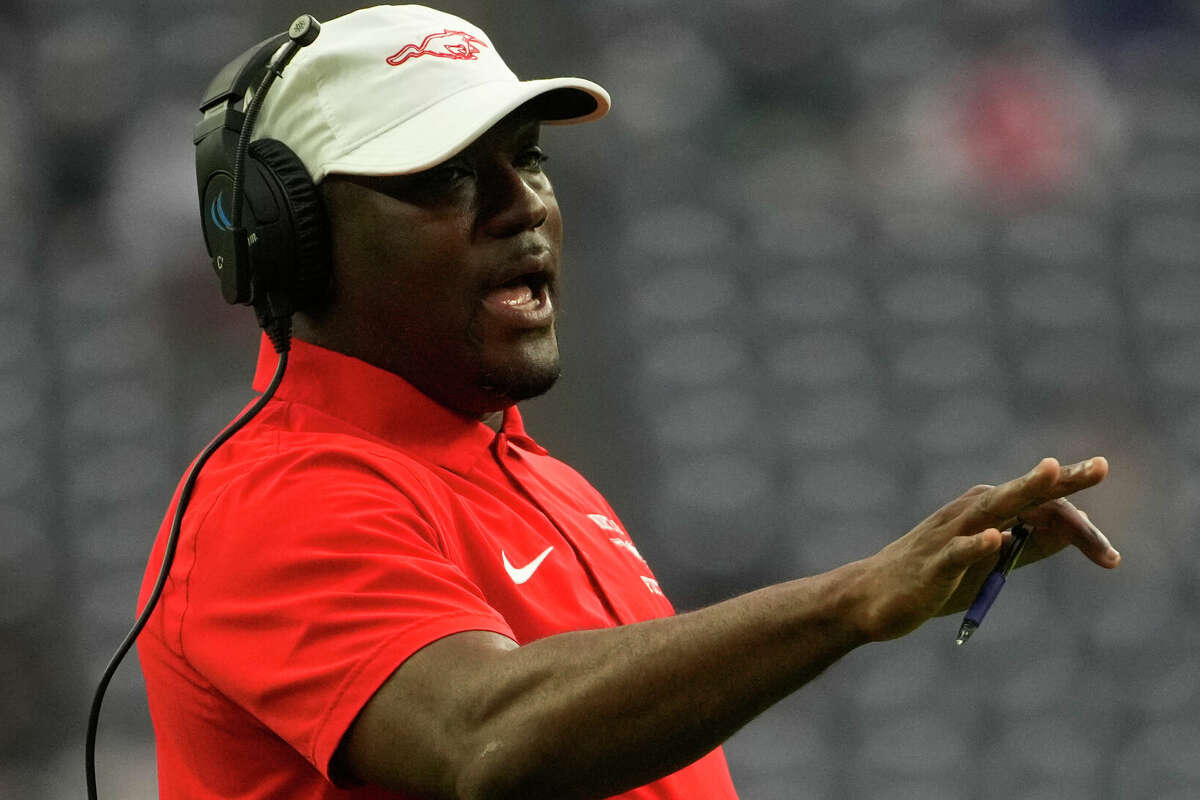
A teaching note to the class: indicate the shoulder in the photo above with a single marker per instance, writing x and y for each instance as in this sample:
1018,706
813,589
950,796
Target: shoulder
280,481
306,445
331,466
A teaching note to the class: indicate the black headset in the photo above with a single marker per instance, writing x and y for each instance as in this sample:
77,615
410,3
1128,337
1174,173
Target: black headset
268,236
264,220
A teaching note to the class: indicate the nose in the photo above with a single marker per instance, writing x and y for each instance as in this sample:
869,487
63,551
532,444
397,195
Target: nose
515,201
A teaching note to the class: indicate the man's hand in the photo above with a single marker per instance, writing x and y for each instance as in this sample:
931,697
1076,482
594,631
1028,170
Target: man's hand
938,566
593,713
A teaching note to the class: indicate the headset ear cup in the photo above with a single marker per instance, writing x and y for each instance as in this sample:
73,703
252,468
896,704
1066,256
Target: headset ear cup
308,277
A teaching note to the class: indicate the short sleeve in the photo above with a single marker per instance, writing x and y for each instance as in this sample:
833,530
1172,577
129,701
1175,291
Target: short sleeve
314,577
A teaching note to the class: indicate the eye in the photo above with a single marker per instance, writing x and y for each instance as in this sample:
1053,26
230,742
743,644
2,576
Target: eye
532,159
449,173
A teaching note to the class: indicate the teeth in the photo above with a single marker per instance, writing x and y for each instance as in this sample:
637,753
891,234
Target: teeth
521,299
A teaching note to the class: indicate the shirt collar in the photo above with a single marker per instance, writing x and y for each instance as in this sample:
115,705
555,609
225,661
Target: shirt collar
385,405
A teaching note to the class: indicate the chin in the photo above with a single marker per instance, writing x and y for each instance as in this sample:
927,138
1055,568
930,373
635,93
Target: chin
524,374
513,383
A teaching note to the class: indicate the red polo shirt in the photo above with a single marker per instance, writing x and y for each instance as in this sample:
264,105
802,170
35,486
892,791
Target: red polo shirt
351,523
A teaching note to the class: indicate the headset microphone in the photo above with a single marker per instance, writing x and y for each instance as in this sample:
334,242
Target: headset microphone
278,264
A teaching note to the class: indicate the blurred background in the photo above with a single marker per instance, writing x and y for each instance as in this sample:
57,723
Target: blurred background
829,264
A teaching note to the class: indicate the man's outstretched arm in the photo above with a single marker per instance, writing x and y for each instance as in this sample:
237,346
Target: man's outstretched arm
594,713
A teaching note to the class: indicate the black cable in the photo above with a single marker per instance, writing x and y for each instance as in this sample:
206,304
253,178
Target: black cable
168,558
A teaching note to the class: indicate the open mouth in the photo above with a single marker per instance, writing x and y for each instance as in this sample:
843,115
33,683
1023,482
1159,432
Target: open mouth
523,301
523,290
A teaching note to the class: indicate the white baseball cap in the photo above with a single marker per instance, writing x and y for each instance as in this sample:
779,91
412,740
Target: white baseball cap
391,90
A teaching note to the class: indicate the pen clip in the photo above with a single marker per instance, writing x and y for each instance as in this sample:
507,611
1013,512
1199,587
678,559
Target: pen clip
1021,533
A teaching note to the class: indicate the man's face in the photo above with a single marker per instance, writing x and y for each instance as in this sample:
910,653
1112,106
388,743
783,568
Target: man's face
448,277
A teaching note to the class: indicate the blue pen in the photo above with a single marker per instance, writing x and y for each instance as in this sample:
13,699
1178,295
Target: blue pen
995,581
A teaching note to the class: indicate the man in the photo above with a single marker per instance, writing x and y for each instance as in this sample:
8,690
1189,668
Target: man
384,587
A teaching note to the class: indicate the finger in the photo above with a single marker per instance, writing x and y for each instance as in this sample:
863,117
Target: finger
1000,504
1084,474
1082,532
963,552
1047,481
955,507
1079,476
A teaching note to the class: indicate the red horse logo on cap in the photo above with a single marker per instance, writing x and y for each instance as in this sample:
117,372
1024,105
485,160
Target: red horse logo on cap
457,45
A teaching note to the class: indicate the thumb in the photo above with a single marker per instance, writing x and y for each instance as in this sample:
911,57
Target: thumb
963,552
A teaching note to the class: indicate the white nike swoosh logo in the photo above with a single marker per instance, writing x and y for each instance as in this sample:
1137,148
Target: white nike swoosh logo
523,574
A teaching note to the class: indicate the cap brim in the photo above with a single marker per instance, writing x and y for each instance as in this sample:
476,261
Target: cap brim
437,133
